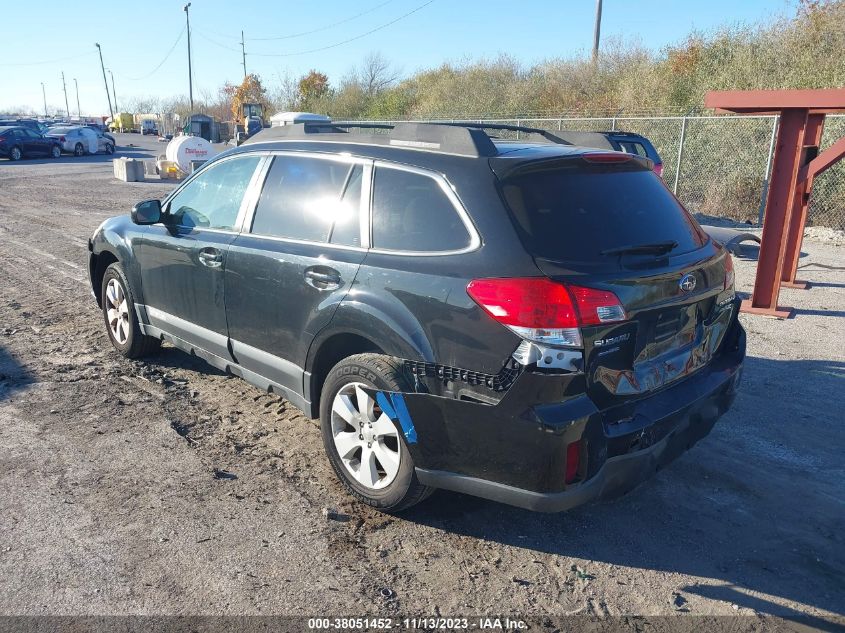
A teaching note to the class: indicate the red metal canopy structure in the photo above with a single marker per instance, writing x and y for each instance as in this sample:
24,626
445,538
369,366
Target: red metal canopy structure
795,164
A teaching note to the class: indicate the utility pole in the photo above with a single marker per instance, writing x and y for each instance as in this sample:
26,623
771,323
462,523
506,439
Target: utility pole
113,91
190,76
64,87
78,109
243,52
44,94
597,32
108,96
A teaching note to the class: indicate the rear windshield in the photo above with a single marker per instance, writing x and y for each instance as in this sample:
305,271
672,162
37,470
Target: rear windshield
572,211
60,130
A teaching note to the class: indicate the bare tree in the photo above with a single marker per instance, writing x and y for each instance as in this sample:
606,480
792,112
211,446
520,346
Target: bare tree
377,74
23,110
142,104
283,97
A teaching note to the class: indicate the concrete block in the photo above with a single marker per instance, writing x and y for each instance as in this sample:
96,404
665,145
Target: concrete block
128,169
150,168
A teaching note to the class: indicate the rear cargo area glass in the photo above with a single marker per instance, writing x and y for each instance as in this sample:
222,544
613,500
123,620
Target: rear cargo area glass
572,210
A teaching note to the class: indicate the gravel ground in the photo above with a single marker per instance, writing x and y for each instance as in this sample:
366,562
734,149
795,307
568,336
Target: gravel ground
113,498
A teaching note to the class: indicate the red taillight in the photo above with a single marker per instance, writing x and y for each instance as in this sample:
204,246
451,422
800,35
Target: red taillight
573,460
533,302
658,169
541,310
607,157
596,306
61,139
2,139
730,277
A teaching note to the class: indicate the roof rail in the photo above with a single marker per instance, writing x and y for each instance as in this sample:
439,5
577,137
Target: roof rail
464,139
549,136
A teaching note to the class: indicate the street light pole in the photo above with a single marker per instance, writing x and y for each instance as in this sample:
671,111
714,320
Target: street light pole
64,87
113,90
190,76
44,94
106,83
597,31
78,109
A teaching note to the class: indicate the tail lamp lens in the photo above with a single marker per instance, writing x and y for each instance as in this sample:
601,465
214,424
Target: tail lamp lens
730,277
545,311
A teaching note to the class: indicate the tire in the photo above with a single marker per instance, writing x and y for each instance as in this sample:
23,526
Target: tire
78,149
109,148
55,151
397,487
15,153
120,318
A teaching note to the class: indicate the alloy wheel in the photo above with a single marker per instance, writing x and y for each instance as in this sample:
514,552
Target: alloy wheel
117,311
365,438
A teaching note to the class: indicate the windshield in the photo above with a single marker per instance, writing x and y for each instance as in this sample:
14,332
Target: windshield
61,130
573,211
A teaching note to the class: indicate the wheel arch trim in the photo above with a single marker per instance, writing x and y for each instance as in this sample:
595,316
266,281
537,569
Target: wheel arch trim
361,320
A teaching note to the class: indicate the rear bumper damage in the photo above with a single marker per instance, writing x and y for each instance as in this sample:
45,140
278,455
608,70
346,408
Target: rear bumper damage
515,452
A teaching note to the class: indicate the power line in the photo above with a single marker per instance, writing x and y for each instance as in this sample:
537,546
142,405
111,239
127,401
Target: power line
347,41
322,28
304,33
215,42
49,61
166,57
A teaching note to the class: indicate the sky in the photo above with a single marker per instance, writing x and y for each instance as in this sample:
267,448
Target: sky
146,49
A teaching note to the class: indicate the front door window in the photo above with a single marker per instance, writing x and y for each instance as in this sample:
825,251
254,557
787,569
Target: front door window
212,199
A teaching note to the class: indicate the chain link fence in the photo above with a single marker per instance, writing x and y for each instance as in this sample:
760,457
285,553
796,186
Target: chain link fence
716,165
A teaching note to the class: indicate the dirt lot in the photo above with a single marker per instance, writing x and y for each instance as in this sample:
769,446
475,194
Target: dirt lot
109,502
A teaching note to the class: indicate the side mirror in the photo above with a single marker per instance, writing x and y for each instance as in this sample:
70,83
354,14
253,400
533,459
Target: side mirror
147,212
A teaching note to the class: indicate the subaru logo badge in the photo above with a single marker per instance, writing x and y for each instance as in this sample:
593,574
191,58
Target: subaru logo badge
687,283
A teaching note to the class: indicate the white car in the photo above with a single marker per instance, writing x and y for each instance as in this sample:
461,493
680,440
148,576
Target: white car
79,140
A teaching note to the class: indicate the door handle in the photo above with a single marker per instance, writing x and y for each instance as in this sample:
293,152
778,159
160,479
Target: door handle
211,257
322,278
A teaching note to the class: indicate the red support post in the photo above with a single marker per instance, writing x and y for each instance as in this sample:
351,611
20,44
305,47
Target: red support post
802,115
785,165
801,203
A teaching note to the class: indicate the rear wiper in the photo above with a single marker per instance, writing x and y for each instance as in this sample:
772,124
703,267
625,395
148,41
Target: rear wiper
656,247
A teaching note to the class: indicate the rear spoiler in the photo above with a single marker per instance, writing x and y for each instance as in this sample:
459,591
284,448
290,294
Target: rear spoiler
507,165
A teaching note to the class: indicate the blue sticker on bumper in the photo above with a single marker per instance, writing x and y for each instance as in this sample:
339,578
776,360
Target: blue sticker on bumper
393,404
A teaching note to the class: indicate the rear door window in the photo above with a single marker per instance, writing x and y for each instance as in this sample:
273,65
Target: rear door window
572,211
303,199
411,212
346,230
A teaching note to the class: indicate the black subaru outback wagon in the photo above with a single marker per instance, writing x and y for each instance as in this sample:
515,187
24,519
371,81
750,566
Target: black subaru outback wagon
525,320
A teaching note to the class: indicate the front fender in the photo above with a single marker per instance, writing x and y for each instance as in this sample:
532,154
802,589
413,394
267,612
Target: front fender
116,236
